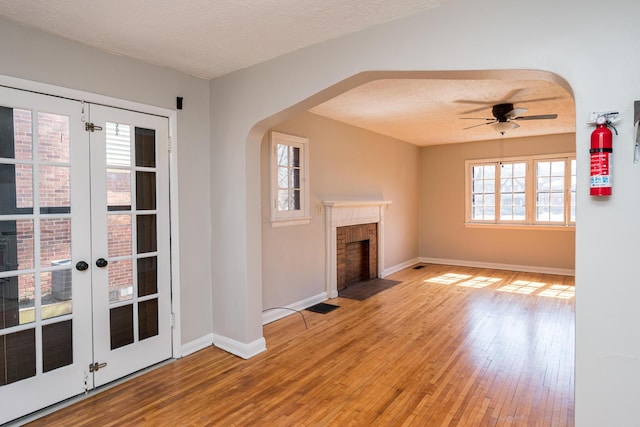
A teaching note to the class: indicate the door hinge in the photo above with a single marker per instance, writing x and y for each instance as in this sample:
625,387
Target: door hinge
170,145
90,127
93,367
172,321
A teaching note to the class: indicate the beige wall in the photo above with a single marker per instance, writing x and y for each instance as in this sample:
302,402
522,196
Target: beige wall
345,163
443,234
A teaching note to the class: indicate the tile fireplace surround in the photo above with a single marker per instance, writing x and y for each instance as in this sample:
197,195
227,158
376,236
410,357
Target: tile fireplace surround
350,212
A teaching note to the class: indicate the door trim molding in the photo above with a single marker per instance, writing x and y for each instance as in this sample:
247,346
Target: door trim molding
171,115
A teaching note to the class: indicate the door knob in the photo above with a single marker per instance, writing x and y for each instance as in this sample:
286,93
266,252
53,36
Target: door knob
82,266
101,262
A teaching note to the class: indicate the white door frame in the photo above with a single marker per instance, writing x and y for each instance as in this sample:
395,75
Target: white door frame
48,89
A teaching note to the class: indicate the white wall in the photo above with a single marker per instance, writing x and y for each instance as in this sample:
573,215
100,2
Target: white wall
35,56
345,163
589,43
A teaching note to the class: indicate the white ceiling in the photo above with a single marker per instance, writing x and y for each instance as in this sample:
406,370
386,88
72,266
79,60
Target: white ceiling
210,38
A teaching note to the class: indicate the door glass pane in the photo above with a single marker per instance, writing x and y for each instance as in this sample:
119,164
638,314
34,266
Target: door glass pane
118,144
55,241
17,300
145,147
15,134
145,190
9,305
147,236
147,276
56,292
53,138
57,345
119,235
16,189
120,280
118,189
16,245
148,319
55,191
121,326
17,356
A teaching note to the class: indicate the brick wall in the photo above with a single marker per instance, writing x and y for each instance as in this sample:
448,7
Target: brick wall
357,253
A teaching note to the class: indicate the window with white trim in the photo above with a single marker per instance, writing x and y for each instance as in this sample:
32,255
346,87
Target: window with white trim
289,180
533,190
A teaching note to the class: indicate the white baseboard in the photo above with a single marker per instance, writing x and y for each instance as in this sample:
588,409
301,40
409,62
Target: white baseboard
275,313
398,267
240,349
196,345
513,267
232,346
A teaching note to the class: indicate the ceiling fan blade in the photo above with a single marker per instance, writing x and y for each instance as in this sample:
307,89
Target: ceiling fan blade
481,124
504,99
526,101
475,118
538,117
515,112
475,110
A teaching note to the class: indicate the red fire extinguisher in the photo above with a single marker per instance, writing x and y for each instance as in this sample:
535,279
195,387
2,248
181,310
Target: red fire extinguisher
601,149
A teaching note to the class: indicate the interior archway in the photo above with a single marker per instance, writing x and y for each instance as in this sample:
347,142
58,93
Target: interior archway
296,297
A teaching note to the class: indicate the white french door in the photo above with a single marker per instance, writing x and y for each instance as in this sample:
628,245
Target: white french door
130,241
84,248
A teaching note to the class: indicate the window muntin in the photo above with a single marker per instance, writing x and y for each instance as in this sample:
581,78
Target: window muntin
289,183
534,190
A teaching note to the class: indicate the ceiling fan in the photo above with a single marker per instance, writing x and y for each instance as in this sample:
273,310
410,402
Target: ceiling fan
505,115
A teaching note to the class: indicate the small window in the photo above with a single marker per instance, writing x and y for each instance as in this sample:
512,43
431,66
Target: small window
289,180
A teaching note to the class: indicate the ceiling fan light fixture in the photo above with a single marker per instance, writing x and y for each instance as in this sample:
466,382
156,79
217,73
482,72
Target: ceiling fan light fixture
505,126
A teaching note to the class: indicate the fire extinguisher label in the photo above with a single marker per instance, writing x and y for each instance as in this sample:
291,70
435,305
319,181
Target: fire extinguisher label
600,173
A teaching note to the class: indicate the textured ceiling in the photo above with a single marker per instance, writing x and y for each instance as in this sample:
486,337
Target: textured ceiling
436,111
210,38
206,38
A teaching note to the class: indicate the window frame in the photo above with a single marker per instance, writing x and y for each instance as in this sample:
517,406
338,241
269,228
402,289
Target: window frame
282,218
531,204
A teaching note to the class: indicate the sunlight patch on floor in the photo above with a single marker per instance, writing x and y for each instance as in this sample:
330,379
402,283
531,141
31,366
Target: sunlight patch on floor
449,278
479,282
522,287
559,291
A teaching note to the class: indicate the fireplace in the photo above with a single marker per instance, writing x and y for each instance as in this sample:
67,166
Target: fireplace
354,229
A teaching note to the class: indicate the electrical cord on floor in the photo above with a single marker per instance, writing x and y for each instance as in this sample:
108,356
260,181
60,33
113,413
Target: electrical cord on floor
292,309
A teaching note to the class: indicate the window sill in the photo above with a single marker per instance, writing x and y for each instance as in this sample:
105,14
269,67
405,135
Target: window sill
520,226
290,222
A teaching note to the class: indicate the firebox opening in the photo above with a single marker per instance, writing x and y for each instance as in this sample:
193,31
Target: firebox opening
356,250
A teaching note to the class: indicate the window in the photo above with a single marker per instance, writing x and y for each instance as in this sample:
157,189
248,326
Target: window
289,180
536,190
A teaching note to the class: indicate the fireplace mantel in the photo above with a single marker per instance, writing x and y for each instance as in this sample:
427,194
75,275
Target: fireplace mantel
350,212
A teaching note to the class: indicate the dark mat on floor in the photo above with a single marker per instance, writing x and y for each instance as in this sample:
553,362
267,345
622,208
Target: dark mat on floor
322,308
364,290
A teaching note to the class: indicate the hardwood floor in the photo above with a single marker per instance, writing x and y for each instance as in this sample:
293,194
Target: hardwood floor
449,346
